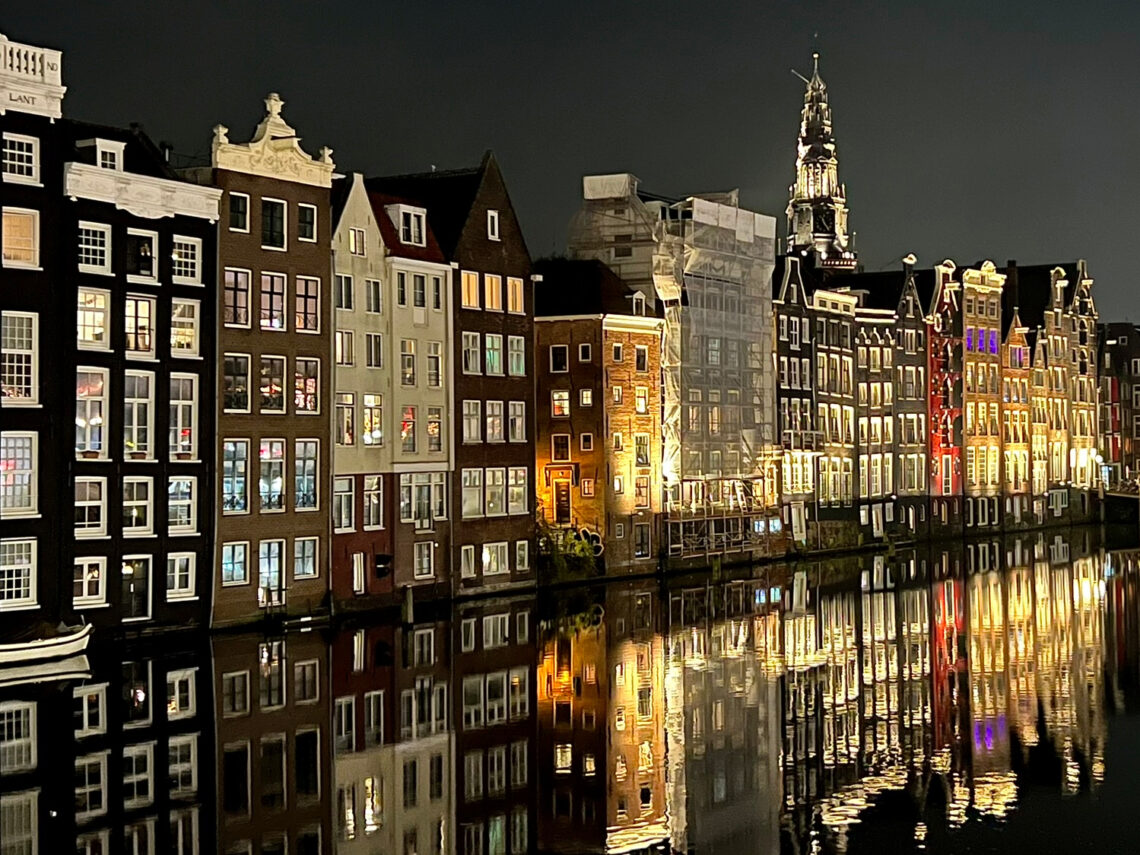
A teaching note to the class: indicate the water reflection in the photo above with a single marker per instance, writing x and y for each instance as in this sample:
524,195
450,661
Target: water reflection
897,700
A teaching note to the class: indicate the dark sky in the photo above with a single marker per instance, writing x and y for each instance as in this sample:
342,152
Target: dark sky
966,129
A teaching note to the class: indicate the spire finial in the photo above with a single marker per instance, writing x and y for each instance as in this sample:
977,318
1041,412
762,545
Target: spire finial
815,61
273,105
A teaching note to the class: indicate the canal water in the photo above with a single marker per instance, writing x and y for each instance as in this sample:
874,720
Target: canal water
977,697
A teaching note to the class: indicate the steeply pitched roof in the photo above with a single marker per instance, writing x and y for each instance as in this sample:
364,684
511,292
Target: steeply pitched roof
572,286
1028,288
448,195
390,234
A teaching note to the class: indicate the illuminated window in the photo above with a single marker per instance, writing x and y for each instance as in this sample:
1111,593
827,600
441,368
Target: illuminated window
20,238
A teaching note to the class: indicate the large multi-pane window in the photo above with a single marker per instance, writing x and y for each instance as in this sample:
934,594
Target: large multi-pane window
305,558
435,364
373,501
272,384
183,409
19,237
19,362
270,560
472,493
235,563
94,247
305,459
472,355
271,475
408,429
472,421
273,301
181,507
180,582
21,159
307,385
89,582
90,507
18,481
495,490
184,327
517,421
343,504
308,305
235,389
372,415
138,400
235,298
138,506
235,475
493,358
517,492
495,427
345,418
90,411
17,573
92,320
140,325
186,261
435,428
407,362
273,223
516,355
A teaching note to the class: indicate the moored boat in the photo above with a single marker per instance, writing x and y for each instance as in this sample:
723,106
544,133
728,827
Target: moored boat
65,642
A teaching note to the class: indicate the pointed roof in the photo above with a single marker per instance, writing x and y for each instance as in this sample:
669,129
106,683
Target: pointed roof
816,140
448,195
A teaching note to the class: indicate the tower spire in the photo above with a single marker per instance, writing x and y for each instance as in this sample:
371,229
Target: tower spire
817,201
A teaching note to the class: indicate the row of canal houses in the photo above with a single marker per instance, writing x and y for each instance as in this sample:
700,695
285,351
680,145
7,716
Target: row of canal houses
927,403
297,391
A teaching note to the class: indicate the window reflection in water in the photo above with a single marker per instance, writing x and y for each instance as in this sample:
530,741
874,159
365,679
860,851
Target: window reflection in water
769,710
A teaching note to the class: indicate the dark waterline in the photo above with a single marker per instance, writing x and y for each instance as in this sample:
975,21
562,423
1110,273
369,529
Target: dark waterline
981,697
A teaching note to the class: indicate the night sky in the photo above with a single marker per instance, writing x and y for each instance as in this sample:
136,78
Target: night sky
966,130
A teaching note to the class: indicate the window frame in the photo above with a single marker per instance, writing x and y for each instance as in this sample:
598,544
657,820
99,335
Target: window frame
284,224
37,239
32,180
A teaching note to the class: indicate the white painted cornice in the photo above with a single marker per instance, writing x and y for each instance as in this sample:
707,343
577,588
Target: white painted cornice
274,152
142,195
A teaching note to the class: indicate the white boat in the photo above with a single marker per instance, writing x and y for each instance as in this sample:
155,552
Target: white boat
71,643
71,668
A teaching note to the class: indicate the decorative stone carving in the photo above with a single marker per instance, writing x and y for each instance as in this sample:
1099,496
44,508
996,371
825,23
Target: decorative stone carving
140,195
30,79
274,152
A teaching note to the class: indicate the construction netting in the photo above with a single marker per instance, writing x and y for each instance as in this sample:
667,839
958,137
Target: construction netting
708,262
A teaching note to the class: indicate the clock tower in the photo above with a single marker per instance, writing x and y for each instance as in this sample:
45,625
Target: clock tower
817,202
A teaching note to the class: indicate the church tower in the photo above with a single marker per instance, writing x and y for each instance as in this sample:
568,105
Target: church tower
817,202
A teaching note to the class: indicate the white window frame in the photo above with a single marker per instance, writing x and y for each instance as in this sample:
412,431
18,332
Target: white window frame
422,548
195,326
138,278
176,676
493,225
99,759
316,224
99,563
467,562
189,590
18,754
33,179
316,565
151,333
496,562
85,693
145,751
234,546
248,213
34,264
32,509
148,529
31,354
195,276
183,415
100,269
284,225
190,527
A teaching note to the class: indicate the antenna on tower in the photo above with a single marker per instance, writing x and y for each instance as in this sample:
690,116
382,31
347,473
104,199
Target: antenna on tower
800,76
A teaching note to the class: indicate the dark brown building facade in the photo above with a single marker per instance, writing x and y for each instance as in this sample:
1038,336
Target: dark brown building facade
274,371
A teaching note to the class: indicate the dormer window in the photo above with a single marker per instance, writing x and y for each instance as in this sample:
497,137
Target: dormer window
109,154
493,225
412,227
639,304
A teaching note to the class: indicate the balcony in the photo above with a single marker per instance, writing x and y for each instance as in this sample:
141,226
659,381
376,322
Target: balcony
31,79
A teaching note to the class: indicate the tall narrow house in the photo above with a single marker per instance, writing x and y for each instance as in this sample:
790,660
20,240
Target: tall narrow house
490,494
105,249
393,399
274,372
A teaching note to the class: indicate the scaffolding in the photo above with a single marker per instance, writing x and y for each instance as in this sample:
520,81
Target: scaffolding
708,264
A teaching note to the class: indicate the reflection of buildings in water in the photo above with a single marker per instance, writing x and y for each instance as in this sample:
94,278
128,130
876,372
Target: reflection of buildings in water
723,723
494,655
109,752
392,742
272,712
601,709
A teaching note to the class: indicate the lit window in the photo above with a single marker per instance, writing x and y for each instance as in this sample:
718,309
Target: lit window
18,480
140,324
307,314
516,301
20,238
560,404
493,292
184,327
186,260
